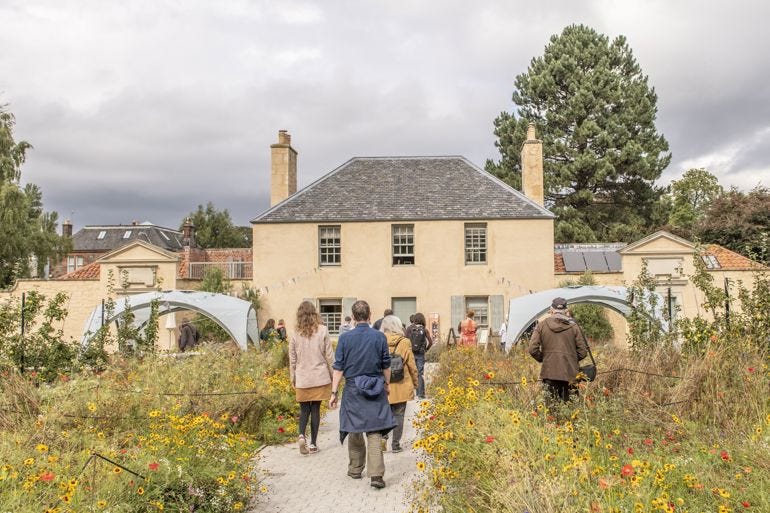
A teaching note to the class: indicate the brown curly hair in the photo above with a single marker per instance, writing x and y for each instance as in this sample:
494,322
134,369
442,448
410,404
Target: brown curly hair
307,319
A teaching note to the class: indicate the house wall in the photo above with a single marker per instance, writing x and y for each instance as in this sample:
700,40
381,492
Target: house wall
287,269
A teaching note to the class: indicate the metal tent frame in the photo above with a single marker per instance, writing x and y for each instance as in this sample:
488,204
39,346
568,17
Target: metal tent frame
525,310
236,316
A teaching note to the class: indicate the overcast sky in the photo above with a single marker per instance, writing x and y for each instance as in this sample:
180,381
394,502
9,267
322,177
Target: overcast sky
141,110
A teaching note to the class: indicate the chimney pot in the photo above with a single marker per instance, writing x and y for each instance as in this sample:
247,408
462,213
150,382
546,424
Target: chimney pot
66,228
283,169
532,167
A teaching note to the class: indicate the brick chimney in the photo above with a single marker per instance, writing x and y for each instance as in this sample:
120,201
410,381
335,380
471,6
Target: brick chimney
283,169
66,229
188,233
532,167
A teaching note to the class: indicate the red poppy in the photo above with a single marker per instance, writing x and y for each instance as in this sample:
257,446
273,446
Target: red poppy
630,450
746,504
751,369
432,417
123,451
153,466
487,376
489,439
47,477
627,471
648,442
724,456
280,417
281,430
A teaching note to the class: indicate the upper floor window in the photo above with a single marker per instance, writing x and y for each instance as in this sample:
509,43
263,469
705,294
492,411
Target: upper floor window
102,234
403,244
329,245
711,262
127,234
475,243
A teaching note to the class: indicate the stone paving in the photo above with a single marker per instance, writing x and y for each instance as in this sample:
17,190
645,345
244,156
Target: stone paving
318,482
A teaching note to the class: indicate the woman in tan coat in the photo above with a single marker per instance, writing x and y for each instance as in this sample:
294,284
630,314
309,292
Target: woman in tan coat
400,391
310,370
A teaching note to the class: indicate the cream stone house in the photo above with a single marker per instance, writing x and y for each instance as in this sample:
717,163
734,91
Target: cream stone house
436,235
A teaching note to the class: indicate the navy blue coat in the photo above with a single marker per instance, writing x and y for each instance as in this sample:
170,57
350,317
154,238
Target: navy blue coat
363,351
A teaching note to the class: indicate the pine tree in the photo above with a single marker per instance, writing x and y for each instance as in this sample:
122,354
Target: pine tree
595,113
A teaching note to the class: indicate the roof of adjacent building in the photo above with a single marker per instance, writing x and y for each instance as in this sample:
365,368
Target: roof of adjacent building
404,189
604,258
115,236
87,272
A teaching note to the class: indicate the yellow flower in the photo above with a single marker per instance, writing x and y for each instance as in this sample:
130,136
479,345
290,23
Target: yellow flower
29,462
524,381
140,491
237,506
420,466
101,504
263,489
41,447
66,499
117,470
154,413
91,407
53,459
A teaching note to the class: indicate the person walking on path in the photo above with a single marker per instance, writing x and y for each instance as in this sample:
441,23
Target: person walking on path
421,343
362,357
310,371
468,330
559,344
401,390
377,323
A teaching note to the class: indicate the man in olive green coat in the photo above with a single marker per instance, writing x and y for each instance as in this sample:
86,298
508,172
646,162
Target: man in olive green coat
559,344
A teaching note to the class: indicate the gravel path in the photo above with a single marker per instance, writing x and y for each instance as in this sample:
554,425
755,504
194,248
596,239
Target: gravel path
318,482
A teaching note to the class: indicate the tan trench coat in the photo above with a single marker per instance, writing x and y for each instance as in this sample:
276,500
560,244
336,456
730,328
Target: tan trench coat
403,390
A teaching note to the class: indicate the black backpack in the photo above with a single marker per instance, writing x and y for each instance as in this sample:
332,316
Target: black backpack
396,365
417,336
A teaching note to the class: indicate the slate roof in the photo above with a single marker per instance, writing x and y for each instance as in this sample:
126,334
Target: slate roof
404,189
87,238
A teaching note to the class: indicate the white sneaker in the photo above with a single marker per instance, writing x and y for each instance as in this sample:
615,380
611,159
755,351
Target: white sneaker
302,445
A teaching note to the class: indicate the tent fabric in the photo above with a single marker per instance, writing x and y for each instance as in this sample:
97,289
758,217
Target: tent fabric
525,310
236,316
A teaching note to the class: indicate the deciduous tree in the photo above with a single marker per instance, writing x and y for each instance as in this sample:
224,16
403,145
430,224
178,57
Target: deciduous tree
595,113
215,229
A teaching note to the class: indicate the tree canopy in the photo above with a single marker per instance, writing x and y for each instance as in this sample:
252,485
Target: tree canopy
595,113
215,229
28,236
689,199
739,221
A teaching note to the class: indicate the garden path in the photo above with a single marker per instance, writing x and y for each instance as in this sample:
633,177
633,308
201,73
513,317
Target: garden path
318,482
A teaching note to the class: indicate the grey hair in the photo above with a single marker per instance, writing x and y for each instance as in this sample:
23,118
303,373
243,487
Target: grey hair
391,324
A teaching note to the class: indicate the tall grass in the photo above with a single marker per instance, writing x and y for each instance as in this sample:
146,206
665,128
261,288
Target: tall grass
188,428
656,431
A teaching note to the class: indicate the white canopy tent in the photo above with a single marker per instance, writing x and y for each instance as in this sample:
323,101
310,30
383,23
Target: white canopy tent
525,310
234,315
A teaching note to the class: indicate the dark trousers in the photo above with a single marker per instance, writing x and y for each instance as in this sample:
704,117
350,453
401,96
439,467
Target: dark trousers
557,388
399,410
311,410
419,360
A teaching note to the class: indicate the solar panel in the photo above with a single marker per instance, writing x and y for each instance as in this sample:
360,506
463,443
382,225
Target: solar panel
595,261
573,262
613,260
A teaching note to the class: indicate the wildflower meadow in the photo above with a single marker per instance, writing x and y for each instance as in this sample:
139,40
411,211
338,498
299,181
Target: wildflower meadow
145,434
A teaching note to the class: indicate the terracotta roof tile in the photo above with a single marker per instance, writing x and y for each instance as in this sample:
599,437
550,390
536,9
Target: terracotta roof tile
558,263
87,272
732,261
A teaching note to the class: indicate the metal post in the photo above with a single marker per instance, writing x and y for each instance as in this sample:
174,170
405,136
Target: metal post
21,340
670,311
727,301
102,313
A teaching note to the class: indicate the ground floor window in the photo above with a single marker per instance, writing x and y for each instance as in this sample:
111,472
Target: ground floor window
331,313
480,307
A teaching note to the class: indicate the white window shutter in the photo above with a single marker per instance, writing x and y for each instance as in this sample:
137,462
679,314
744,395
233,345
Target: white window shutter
496,312
458,311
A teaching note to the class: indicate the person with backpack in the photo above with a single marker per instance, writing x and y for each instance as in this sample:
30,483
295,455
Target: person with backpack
403,375
421,342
